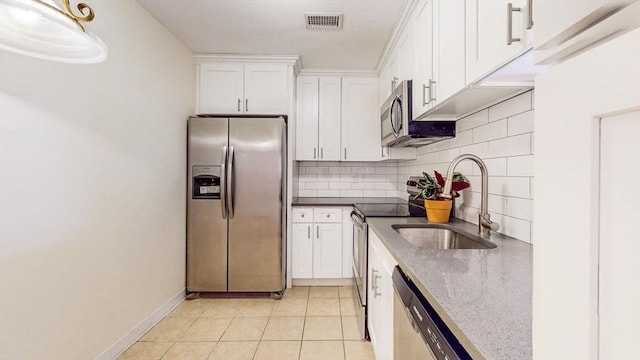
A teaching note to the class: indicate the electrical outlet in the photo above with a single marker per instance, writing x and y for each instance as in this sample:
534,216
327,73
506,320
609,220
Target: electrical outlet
354,178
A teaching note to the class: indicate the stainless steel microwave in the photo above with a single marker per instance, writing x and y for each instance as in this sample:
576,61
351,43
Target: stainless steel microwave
398,127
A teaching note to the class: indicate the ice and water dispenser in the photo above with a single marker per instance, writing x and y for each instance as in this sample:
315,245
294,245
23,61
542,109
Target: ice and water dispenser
205,182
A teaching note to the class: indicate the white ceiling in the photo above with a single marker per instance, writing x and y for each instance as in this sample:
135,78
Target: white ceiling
277,27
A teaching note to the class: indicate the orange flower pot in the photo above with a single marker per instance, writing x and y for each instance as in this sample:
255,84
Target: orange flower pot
438,210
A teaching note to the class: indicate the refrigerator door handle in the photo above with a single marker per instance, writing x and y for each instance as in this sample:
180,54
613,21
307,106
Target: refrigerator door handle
223,182
230,182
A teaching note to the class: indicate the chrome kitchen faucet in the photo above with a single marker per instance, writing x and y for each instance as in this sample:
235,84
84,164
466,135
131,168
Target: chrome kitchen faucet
484,220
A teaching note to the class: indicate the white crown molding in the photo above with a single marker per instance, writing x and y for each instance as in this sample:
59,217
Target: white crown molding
294,60
326,72
405,19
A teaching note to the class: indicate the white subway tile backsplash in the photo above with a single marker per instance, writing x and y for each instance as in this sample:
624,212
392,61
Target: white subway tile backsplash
511,107
307,193
497,204
510,146
328,177
340,185
510,186
472,121
304,177
490,131
520,208
521,123
340,170
385,171
328,193
495,167
520,166
316,170
462,138
481,150
318,185
351,193
517,228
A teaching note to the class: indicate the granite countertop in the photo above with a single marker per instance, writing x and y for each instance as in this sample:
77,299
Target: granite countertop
345,201
484,296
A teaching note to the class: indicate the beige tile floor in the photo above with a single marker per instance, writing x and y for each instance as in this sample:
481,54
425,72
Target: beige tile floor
307,323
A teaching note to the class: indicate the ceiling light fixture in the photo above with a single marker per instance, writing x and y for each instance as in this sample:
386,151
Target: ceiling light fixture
41,29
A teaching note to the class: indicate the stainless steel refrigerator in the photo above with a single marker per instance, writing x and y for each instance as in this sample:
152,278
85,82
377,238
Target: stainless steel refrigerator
235,204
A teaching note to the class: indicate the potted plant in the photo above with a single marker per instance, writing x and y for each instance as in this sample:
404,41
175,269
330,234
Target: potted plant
438,208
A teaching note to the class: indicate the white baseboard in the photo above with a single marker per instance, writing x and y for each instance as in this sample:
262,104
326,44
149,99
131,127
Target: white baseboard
322,282
136,333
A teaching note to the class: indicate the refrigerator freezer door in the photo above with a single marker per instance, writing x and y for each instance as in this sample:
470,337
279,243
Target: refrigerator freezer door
256,187
206,227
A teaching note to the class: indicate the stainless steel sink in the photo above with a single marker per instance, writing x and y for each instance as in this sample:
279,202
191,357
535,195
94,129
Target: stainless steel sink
439,237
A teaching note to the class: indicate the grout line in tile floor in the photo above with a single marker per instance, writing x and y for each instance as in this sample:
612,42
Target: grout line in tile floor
258,329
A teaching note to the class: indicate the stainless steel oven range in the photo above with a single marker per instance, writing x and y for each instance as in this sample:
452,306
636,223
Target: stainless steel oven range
360,245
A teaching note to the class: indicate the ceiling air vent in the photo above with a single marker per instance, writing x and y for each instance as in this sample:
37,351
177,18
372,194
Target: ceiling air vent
323,21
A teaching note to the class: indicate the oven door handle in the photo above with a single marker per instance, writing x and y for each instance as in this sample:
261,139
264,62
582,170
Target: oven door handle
357,221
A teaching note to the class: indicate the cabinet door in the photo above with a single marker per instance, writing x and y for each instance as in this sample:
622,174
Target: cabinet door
423,57
374,301
307,118
220,88
405,53
265,89
360,119
302,251
327,251
487,27
329,113
449,47
381,264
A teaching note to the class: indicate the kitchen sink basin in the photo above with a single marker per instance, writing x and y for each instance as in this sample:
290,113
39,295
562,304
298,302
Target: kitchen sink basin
439,237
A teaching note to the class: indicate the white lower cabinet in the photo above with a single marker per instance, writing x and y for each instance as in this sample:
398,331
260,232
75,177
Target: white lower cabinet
380,299
317,243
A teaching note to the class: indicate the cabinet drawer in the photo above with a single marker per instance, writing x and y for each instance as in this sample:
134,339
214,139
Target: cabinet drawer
300,214
327,215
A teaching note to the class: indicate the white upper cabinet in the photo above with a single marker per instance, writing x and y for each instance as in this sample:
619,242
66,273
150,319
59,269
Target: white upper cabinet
307,118
360,119
422,26
494,34
329,114
449,49
318,120
236,88
265,89
405,56
338,118
221,88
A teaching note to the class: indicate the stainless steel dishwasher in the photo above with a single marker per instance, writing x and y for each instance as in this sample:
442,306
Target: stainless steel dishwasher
418,331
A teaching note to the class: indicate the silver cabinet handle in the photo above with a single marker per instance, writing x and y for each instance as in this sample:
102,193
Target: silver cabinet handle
510,10
317,232
246,104
345,153
314,153
230,184
223,182
321,153
432,91
309,232
239,101
393,83
373,278
424,91
529,14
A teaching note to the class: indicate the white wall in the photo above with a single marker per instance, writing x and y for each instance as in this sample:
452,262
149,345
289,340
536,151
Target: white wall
346,179
92,204
502,135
